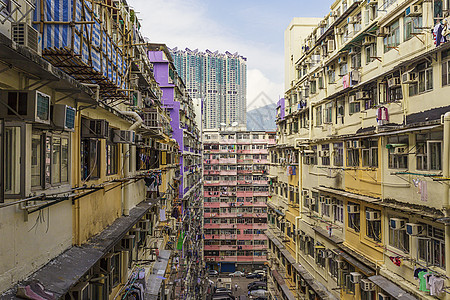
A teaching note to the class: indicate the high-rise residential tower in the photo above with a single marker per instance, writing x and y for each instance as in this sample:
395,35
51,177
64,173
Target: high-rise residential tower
218,78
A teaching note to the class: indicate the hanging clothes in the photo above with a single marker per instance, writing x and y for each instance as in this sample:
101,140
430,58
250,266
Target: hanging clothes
437,32
346,81
436,285
423,281
382,116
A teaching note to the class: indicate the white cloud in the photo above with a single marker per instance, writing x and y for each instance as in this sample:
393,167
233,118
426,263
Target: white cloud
185,23
260,90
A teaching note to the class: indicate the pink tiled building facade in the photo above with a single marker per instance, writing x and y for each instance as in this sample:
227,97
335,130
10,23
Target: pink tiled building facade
236,187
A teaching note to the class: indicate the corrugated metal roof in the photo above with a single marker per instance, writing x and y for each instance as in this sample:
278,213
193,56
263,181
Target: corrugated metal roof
392,289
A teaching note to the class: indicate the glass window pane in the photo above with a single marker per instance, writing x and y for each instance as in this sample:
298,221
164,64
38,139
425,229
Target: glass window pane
56,160
36,160
12,160
64,160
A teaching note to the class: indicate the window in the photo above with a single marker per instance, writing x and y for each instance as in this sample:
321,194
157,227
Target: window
319,115
321,256
432,247
310,246
12,144
429,151
36,160
352,157
331,75
392,40
398,152
90,159
353,216
313,87
371,53
328,113
354,107
411,26
315,202
325,206
399,239
445,58
111,158
338,151
338,210
333,266
356,59
370,153
425,77
373,225
311,158
343,70
325,155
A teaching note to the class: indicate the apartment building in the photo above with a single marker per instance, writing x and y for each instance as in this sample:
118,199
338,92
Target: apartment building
186,132
220,79
90,180
235,195
364,124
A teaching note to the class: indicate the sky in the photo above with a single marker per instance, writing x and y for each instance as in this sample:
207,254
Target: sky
254,29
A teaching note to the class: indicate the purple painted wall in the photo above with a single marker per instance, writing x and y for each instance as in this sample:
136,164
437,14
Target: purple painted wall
161,73
281,107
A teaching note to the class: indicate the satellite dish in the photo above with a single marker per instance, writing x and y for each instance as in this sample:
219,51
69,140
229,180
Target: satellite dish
234,124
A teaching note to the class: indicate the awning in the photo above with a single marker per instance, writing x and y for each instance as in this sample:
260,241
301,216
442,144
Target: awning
401,131
325,234
347,194
154,281
343,252
64,271
286,291
359,37
392,289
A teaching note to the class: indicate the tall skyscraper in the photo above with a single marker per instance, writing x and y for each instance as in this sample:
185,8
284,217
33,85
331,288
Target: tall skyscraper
218,78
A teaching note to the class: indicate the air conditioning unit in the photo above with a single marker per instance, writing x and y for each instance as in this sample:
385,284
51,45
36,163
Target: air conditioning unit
368,40
95,128
414,229
339,31
25,35
413,11
33,106
349,144
352,20
352,209
361,95
394,82
139,139
399,150
63,117
373,215
80,291
144,225
342,60
351,98
372,2
367,285
382,296
124,136
409,77
127,242
397,224
355,277
382,31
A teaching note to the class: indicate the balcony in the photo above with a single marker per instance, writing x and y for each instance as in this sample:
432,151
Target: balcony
260,182
227,182
226,161
211,183
212,204
263,194
246,194
228,172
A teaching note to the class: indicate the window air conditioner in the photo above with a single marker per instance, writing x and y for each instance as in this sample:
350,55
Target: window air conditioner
397,224
349,144
413,11
94,129
367,285
342,60
25,35
124,136
382,296
373,216
80,291
369,40
399,150
394,82
33,106
63,117
351,98
414,229
409,77
353,209
355,277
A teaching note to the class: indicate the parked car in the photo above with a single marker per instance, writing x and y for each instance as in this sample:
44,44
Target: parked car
213,273
256,283
258,293
261,286
262,272
223,290
237,274
254,275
